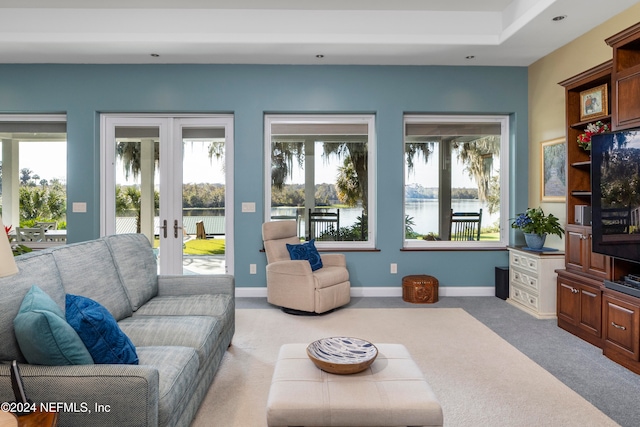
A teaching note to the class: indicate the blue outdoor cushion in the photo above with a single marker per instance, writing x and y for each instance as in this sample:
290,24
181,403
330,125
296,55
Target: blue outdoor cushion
306,251
99,331
43,334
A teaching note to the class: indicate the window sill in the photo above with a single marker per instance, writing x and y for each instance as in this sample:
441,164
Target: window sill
343,250
348,250
454,248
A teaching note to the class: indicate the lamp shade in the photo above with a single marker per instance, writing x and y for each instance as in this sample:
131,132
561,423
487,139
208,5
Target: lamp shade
7,263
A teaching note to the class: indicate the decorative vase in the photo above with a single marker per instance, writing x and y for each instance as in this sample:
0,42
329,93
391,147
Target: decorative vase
535,241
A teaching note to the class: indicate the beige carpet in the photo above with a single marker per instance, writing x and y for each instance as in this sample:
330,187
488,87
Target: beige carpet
480,379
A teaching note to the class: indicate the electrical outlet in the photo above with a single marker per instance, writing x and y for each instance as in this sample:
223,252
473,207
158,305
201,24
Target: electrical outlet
394,268
252,269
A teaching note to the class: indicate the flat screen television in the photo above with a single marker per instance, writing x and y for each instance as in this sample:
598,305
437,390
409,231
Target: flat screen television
615,188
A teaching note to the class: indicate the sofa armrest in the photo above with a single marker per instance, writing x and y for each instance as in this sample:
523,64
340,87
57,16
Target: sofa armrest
96,395
334,260
202,284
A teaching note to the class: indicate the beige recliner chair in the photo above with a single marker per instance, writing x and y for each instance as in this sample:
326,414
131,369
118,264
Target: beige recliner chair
291,284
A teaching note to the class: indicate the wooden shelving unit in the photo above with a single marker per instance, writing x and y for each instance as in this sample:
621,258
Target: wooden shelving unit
579,161
587,308
579,293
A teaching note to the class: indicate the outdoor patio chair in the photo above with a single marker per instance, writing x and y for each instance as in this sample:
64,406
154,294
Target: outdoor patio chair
35,234
47,225
465,225
292,284
324,225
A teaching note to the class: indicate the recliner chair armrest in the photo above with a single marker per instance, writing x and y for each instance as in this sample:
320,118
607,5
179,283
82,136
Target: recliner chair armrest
334,260
292,267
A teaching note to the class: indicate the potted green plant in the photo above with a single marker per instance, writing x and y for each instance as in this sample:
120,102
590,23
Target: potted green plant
536,225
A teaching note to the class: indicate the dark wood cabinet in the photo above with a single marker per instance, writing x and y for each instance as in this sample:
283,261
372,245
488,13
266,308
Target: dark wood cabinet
625,78
621,329
579,303
580,258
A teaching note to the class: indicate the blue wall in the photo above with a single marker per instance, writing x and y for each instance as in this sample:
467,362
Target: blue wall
250,91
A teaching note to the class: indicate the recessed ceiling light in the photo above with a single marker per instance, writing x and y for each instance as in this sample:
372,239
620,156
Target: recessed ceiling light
559,18
319,56
469,57
155,55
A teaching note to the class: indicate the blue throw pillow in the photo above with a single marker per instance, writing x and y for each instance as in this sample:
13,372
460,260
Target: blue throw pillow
43,334
99,331
306,251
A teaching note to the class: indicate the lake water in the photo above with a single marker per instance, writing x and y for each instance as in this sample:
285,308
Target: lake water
423,211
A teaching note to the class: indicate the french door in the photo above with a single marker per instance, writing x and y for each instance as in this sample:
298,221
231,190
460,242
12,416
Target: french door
169,177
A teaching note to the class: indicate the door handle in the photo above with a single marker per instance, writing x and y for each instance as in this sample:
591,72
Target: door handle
164,228
175,228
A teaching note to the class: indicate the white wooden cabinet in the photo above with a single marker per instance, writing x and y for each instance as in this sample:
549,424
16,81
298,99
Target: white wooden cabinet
532,281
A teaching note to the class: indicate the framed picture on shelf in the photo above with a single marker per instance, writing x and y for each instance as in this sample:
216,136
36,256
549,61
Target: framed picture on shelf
593,103
553,172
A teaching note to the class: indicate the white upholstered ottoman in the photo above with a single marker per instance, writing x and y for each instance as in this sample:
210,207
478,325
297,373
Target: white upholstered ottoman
391,392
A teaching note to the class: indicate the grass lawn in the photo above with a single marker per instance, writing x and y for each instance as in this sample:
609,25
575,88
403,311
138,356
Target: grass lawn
201,246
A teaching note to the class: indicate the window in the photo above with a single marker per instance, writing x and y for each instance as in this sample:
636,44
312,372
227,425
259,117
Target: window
33,173
456,181
320,172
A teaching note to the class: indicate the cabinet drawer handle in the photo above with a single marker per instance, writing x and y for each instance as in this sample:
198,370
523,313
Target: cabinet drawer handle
615,325
574,291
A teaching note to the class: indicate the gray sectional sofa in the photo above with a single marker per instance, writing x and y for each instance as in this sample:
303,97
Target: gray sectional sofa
181,327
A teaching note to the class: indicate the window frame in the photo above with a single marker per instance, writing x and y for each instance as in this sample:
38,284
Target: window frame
369,120
38,119
412,244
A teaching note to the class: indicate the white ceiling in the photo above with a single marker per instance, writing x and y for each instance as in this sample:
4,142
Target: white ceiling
385,32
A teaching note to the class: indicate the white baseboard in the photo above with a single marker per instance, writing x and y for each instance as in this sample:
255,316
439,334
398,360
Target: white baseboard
394,291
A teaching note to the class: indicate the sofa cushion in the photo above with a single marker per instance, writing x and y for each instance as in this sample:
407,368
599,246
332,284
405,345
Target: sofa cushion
88,269
99,331
44,335
187,305
306,251
178,369
197,332
136,265
34,267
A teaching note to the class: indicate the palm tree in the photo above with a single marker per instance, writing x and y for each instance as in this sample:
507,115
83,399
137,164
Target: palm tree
353,179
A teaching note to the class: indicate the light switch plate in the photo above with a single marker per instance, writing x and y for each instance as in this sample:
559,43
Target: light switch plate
248,207
79,207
